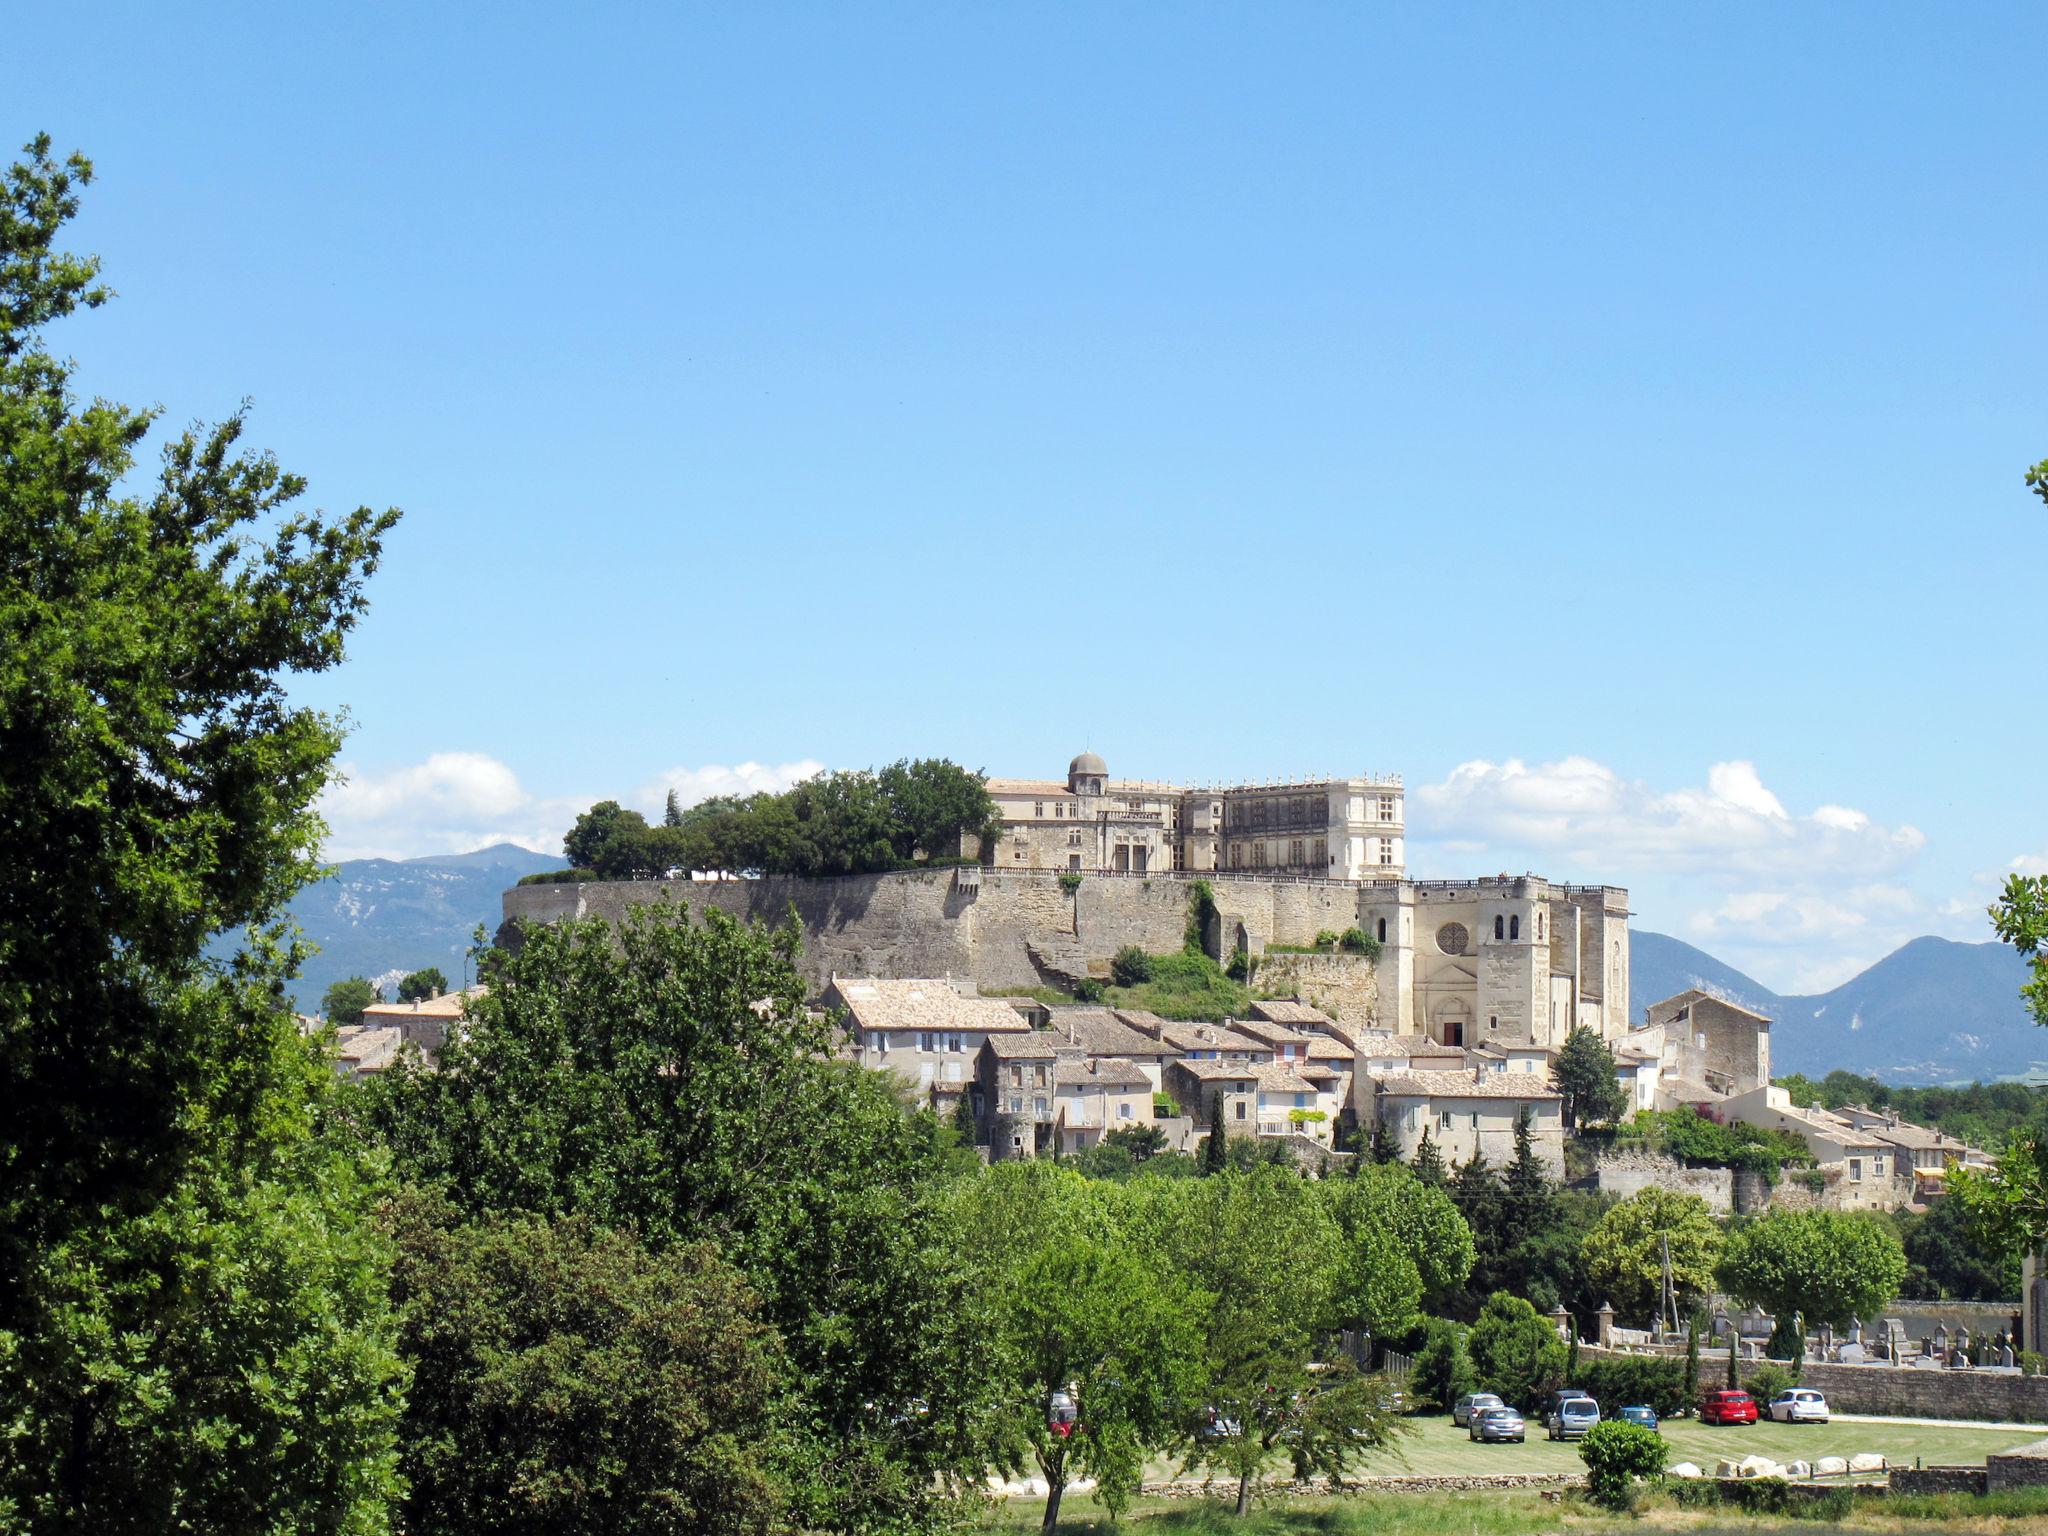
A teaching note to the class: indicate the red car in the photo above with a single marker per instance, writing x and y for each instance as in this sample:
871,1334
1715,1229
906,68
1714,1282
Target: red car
1727,1408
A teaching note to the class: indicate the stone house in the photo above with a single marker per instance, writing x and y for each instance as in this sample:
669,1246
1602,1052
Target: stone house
1201,1042
362,1050
1018,1075
1100,1034
928,1033
425,1024
1865,1167
1698,1038
1259,1098
1092,1097
1380,1055
1471,1111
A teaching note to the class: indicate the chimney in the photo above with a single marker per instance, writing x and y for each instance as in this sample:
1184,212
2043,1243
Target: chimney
436,994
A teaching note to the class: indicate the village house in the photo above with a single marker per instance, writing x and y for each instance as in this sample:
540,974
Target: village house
1202,1042
1865,1167
1101,1034
1258,1098
1094,1097
1018,1075
425,1024
1471,1111
928,1033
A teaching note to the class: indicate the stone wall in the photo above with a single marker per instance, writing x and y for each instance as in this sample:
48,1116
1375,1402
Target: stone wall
1346,987
1625,1172
1937,1480
999,928
2026,1467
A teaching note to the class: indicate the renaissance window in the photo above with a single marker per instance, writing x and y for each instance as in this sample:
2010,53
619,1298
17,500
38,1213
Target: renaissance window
1514,927
1499,923
1386,851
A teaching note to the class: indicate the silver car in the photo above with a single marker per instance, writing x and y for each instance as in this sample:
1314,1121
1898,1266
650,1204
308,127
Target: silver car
1491,1425
1463,1409
1570,1419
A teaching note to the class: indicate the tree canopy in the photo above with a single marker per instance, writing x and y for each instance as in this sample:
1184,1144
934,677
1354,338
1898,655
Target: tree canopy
1583,1075
1828,1265
194,1330
346,999
1624,1252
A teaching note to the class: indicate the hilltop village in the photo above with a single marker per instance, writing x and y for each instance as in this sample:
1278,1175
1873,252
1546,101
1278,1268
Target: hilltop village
1353,1002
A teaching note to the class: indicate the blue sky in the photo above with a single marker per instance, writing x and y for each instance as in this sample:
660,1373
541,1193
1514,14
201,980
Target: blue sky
1609,417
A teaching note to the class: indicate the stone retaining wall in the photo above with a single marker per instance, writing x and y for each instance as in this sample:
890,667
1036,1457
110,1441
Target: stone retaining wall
1938,1480
1219,1488
1625,1172
994,927
2026,1467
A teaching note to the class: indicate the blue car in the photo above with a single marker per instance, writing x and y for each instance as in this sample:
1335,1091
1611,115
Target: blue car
1638,1414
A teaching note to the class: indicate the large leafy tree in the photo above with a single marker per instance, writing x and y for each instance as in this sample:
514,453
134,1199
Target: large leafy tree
1404,1247
937,806
1080,1315
1583,1075
664,1078
191,1323
564,1378
1515,1350
1624,1253
346,1000
1829,1265
422,984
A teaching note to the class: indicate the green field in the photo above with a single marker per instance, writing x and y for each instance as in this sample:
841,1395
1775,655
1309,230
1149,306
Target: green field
1439,1448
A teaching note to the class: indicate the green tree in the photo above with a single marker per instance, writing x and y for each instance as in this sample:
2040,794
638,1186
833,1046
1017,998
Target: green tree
1082,1316
1130,967
1943,1261
2020,918
665,1078
1691,1385
1734,1372
1624,1253
938,808
192,1325
611,840
346,999
1383,1148
1443,1365
1829,1265
1216,1148
672,811
1404,1247
1584,1075
1618,1456
1266,1247
1515,1350
566,1379
422,984
1142,1142
1429,1163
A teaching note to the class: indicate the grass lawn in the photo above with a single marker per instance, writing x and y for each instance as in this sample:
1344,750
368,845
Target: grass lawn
1441,1448
1514,1514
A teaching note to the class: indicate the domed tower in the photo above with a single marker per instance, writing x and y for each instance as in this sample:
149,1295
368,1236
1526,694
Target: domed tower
1087,775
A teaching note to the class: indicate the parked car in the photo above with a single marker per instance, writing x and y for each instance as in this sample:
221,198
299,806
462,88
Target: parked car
1570,1419
1463,1409
1727,1408
1561,1395
1215,1426
1497,1424
1639,1413
1799,1405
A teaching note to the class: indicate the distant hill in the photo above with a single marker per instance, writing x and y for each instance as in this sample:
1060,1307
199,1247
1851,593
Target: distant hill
1932,1011
377,917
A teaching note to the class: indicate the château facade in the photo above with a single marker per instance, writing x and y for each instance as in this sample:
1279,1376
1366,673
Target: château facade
1342,829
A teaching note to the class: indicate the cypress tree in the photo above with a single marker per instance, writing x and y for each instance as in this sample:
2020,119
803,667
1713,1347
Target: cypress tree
1384,1148
1215,1155
1734,1338
1429,1163
1692,1363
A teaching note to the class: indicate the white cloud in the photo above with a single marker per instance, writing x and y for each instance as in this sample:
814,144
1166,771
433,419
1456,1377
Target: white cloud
1802,901
1606,826
453,802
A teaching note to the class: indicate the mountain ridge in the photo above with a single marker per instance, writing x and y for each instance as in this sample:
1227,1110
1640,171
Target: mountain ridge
1932,1011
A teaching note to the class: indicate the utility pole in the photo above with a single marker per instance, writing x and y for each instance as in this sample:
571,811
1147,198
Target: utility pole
1670,1301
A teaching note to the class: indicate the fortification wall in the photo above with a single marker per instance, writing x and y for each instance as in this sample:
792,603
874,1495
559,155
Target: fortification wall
996,927
1346,987
1625,1173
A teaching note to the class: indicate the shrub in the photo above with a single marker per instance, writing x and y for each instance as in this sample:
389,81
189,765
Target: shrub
1658,1385
1516,1350
1131,967
1088,990
559,877
1767,1496
1358,942
1326,939
1443,1370
1164,1107
1767,1381
2032,1363
1070,882
1617,1456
